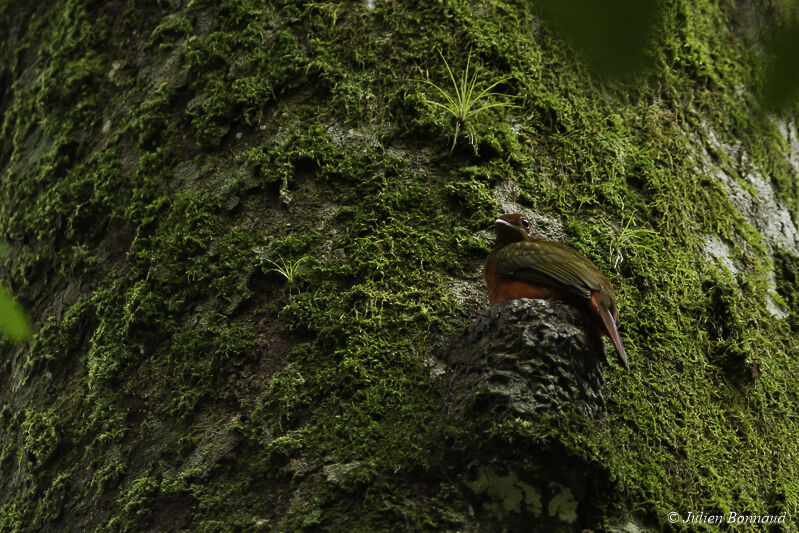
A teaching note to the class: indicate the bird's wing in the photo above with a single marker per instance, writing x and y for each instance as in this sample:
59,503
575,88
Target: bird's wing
549,264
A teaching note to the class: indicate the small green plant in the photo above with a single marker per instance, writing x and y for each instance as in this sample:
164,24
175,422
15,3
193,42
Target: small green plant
287,269
630,239
464,103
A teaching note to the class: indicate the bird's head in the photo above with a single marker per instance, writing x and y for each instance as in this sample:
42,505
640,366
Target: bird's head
515,227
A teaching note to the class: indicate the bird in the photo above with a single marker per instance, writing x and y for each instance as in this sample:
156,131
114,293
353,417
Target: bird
523,264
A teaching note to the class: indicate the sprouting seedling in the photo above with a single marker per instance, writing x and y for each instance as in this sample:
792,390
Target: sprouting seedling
464,104
287,269
628,238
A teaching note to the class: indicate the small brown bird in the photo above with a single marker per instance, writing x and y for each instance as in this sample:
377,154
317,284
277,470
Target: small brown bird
524,265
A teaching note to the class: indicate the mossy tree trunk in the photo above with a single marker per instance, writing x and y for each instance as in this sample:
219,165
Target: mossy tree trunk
161,163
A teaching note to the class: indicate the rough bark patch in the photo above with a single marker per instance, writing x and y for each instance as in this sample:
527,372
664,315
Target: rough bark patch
527,357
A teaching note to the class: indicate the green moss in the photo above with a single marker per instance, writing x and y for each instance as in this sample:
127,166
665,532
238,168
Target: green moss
134,505
151,121
170,31
273,66
39,439
191,372
173,375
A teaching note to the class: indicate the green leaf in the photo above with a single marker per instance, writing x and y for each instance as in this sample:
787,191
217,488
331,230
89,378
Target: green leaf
612,35
781,83
14,323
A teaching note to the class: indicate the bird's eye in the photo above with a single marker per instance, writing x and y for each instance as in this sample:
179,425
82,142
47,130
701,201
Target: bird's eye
525,223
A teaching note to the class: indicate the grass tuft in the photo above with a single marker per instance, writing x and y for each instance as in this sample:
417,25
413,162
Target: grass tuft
286,269
463,102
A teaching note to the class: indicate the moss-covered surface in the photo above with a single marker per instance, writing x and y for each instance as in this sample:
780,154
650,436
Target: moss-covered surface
155,157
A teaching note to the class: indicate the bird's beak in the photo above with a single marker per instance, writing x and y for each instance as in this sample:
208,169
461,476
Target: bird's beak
504,222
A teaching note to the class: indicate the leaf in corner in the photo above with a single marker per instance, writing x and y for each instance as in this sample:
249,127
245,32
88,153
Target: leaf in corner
781,76
14,323
611,35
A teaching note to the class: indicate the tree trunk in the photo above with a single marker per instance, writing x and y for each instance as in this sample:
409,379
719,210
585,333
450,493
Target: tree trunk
254,269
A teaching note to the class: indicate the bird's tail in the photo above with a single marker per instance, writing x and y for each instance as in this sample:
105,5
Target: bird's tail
610,328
